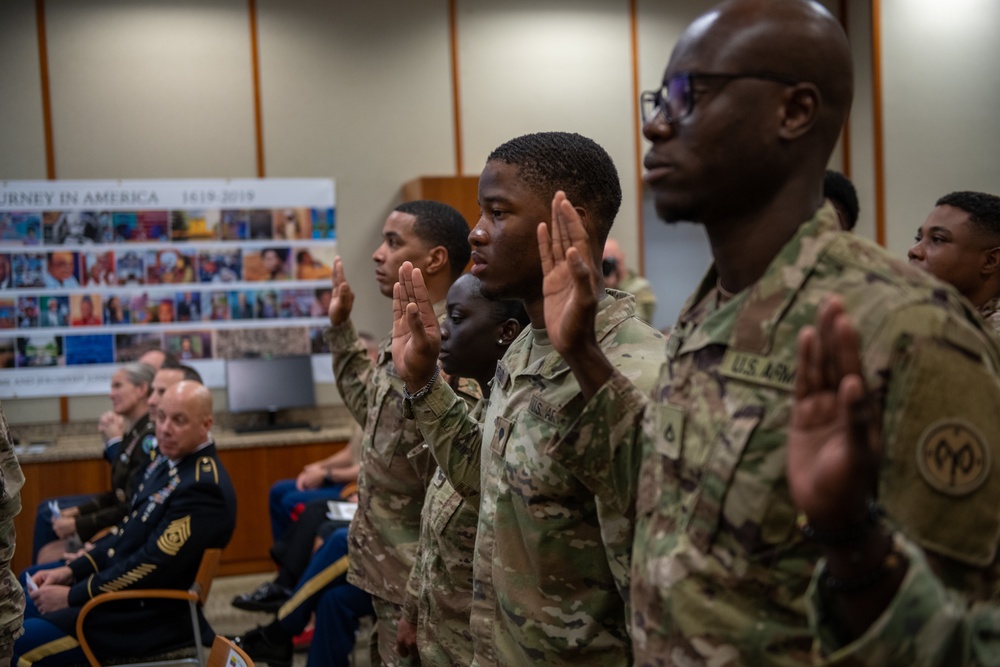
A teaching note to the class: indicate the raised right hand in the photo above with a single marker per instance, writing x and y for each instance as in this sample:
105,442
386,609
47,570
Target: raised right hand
833,443
342,298
570,279
416,335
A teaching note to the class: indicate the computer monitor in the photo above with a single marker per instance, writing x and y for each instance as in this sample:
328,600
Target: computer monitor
278,383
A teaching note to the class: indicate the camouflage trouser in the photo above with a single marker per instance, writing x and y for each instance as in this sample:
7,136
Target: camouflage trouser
6,651
383,639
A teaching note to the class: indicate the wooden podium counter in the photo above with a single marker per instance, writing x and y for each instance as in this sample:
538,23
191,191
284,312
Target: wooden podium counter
75,464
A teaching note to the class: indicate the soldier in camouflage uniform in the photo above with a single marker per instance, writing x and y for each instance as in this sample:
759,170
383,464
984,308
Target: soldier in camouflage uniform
395,464
903,615
551,562
474,335
720,569
959,243
11,593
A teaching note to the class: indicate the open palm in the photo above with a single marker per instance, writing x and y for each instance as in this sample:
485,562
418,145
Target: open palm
833,453
569,281
342,297
416,335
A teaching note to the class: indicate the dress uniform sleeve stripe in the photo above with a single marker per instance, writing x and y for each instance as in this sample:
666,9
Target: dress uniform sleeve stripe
129,578
87,555
47,649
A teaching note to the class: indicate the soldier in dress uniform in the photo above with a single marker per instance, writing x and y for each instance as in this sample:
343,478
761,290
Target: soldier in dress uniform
130,451
185,504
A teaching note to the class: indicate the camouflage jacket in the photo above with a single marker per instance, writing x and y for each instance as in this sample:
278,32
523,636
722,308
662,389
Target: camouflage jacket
990,311
924,625
395,466
11,481
439,595
720,570
551,562
645,298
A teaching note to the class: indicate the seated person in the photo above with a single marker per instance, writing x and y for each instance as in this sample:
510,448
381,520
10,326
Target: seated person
85,516
292,553
322,480
185,504
323,591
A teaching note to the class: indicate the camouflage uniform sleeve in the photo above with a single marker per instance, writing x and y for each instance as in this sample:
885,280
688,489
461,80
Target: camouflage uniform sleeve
453,434
603,447
925,624
941,478
412,602
11,481
352,368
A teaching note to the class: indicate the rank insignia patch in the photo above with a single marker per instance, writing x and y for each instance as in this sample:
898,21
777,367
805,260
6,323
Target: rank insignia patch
174,537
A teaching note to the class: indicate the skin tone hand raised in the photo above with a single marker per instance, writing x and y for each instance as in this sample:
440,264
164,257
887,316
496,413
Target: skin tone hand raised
571,288
569,284
342,297
416,335
833,454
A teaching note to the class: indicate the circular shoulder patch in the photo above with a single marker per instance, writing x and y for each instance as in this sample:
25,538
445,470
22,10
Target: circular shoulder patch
953,457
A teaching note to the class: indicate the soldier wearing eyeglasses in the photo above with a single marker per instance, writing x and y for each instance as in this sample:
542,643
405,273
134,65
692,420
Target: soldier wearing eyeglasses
752,103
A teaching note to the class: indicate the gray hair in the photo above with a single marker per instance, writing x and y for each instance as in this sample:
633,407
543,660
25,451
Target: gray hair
139,373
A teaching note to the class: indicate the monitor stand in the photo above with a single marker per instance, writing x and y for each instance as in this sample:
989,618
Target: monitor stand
272,425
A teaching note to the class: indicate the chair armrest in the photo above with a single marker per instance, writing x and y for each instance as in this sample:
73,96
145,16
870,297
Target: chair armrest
135,594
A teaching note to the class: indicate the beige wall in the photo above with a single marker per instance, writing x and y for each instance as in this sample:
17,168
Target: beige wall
362,92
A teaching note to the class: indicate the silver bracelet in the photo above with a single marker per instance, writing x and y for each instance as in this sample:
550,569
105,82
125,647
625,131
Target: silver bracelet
426,388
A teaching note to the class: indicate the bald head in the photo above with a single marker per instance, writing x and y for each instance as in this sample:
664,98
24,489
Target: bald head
758,91
154,358
184,419
795,38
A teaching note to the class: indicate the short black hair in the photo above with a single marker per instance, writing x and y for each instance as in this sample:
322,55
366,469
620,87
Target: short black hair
170,360
190,374
580,167
505,309
839,188
983,209
441,225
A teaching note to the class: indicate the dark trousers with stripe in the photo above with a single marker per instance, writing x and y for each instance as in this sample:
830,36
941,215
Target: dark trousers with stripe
337,604
43,643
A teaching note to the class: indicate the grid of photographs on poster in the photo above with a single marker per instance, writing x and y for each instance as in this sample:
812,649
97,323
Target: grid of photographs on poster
96,287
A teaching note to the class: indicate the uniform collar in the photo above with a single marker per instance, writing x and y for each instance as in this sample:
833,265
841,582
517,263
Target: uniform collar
615,307
747,322
173,464
990,307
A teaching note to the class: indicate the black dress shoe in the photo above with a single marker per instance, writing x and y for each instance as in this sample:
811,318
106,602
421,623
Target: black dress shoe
266,597
262,648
